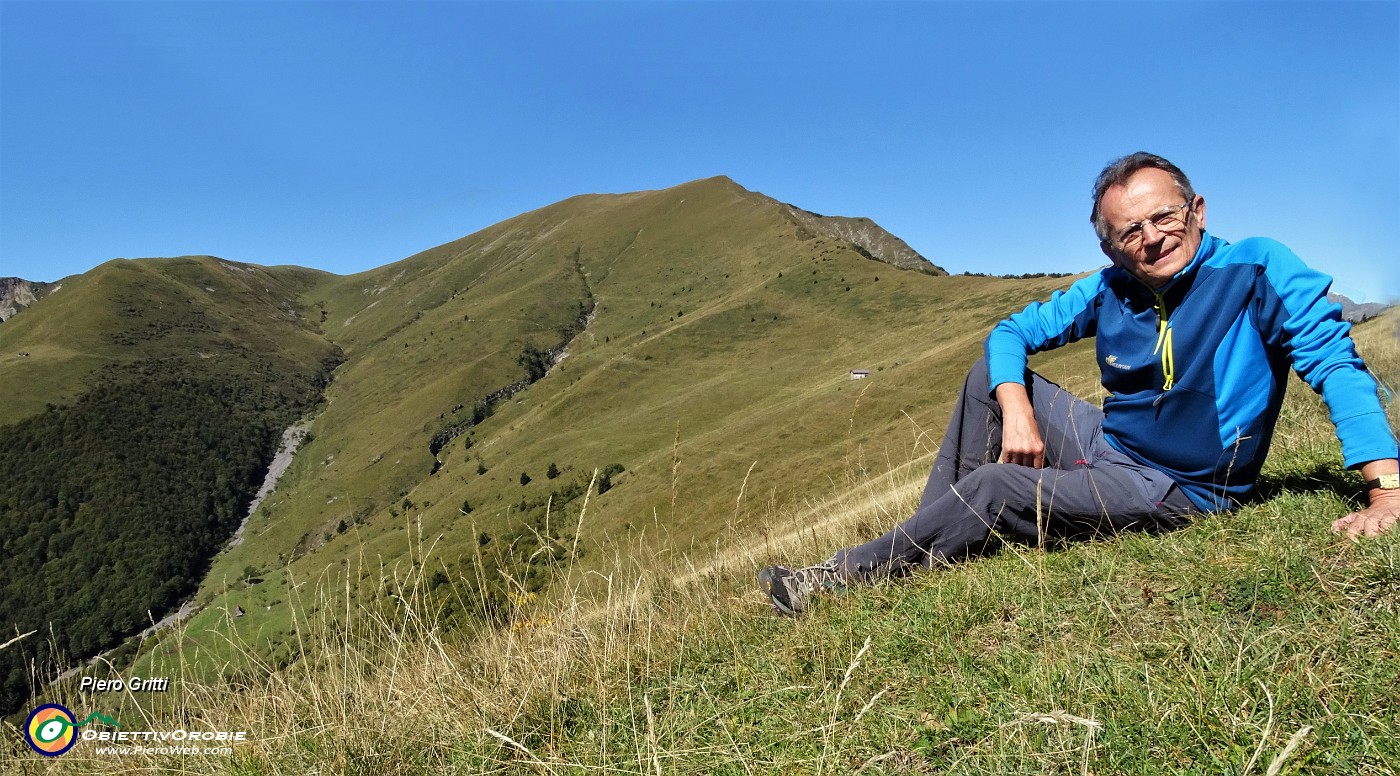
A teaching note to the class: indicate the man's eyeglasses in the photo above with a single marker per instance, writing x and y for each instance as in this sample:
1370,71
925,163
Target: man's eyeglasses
1168,220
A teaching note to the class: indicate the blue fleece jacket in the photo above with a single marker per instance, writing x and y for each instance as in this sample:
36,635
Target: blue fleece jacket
1196,370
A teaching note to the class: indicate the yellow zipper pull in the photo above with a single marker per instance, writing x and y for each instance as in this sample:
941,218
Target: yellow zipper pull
1164,343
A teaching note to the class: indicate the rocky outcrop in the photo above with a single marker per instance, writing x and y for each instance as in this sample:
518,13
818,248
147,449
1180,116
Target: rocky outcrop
867,237
17,294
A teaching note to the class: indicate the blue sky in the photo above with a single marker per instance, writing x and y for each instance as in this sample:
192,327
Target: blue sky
348,135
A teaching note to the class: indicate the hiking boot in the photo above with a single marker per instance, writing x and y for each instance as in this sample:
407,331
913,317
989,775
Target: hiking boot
790,590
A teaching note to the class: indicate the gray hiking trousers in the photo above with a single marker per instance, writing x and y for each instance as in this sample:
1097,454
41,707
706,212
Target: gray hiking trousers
972,504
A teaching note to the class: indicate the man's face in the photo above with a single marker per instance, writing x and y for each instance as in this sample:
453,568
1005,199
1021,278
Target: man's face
1151,254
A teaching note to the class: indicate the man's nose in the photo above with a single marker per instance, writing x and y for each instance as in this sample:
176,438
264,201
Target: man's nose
1153,236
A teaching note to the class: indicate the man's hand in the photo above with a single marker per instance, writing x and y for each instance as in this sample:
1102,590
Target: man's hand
1384,511
1375,520
1020,436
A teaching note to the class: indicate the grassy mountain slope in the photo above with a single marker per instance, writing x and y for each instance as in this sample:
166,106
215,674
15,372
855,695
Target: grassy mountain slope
147,404
709,333
235,317
714,368
1255,642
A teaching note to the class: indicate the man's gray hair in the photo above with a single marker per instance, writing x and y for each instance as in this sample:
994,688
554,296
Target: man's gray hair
1119,170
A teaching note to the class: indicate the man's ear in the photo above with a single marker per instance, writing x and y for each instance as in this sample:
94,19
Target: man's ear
1198,206
1108,251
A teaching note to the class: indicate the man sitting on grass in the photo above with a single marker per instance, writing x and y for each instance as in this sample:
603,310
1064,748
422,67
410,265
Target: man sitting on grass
1194,337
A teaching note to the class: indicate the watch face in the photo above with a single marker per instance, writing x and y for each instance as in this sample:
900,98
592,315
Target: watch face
1390,481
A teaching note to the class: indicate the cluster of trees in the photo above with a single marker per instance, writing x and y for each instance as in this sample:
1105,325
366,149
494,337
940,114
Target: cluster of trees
563,495
1022,276
535,361
111,508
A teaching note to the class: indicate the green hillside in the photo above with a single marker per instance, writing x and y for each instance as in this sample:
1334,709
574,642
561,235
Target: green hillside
145,400
543,463
230,318
710,332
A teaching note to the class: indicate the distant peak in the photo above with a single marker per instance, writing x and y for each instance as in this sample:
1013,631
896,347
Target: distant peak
713,182
1356,312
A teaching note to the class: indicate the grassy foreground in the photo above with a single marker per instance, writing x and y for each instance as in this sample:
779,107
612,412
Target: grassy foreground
1253,643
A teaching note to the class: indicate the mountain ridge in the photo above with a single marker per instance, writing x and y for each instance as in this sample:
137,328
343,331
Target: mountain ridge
129,309
1357,312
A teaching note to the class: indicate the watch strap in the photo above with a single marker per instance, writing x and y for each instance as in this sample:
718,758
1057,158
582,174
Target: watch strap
1383,482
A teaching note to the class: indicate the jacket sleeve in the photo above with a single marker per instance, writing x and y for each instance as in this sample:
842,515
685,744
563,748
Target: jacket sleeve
1320,348
1067,316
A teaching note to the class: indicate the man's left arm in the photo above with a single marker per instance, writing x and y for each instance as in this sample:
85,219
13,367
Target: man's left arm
1324,356
1384,510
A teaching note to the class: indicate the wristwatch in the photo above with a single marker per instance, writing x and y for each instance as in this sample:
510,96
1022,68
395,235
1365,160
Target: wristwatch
1384,482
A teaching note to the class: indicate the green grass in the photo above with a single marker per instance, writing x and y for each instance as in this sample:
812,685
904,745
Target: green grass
1256,642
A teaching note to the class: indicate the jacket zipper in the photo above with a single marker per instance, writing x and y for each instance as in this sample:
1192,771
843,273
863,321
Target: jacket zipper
1164,342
